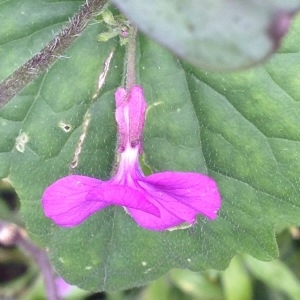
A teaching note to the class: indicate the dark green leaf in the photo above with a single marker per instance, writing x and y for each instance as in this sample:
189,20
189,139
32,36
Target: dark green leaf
242,129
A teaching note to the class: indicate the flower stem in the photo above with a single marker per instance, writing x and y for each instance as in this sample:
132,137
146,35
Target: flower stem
11,234
130,67
51,52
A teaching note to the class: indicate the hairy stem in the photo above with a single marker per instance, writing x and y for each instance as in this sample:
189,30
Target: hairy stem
53,50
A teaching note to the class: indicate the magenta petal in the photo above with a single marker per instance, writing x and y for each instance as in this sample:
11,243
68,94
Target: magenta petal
137,109
197,191
65,201
120,96
130,115
165,221
180,197
122,195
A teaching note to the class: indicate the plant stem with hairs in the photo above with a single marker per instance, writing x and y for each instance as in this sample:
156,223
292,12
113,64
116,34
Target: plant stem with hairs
11,234
50,53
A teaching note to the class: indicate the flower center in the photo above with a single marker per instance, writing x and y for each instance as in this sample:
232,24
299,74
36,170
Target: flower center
129,167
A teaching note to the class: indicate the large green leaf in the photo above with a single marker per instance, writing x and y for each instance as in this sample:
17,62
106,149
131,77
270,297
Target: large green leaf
219,35
241,128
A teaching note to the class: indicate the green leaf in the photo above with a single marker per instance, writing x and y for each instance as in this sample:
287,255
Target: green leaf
196,285
219,35
158,289
276,275
236,281
241,128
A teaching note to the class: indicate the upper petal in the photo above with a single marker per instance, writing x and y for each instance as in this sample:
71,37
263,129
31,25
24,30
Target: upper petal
65,201
130,116
180,197
120,96
137,108
123,125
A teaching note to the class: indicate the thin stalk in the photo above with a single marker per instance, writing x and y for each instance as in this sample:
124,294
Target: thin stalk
51,52
130,67
11,234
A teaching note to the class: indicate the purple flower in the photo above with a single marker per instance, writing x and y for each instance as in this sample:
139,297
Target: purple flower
63,288
156,202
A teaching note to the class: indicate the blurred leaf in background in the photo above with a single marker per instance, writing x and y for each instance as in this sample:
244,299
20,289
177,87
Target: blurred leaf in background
220,35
